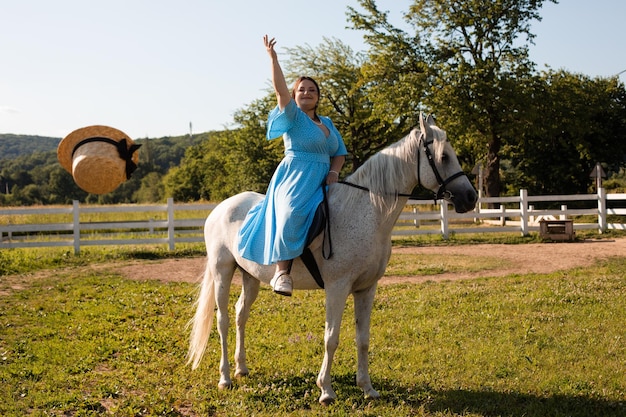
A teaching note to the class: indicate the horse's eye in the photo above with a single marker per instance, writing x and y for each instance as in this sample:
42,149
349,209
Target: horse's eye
444,157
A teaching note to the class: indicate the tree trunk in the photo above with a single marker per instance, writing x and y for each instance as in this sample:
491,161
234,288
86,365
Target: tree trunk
492,170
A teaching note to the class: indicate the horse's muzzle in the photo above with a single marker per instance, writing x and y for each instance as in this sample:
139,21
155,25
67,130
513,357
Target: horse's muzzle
465,201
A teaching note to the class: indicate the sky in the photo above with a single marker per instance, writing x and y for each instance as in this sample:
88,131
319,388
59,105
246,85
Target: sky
155,68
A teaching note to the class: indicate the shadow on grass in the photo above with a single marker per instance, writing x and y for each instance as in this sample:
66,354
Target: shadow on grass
493,403
516,404
147,254
457,402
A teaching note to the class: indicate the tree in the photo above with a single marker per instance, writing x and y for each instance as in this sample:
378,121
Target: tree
367,120
62,188
579,121
185,182
249,158
473,61
232,161
151,190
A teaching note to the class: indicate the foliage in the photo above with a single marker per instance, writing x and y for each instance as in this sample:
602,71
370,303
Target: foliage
13,146
352,99
38,178
94,343
235,161
466,62
580,121
473,61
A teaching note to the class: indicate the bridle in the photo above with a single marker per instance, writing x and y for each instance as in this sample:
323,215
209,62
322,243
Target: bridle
442,192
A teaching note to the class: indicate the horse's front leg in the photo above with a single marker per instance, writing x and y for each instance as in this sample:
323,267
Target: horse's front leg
363,302
249,293
335,304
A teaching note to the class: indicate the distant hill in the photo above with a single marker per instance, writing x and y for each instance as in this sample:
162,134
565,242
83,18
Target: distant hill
30,172
165,152
13,146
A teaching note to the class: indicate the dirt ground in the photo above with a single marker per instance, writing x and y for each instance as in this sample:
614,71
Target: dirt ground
521,259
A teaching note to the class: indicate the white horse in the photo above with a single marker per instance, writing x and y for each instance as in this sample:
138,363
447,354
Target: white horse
363,211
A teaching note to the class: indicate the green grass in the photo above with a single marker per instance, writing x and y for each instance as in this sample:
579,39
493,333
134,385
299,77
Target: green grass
21,261
415,264
77,343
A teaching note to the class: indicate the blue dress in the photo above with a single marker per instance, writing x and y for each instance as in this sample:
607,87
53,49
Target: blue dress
276,228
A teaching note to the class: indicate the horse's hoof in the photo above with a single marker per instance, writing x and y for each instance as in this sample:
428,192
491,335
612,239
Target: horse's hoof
326,400
241,374
225,385
372,394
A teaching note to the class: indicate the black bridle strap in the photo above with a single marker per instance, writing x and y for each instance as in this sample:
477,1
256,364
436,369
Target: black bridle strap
442,188
123,150
360,187
431,161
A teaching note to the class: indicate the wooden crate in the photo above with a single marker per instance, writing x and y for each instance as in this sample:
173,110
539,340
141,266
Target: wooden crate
557,229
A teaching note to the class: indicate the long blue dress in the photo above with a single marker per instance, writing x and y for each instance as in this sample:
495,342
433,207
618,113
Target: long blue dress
276,228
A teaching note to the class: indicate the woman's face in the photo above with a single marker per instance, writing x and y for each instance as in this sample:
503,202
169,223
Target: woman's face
306,95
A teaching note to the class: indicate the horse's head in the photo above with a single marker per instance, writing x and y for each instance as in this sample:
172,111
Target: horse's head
438,168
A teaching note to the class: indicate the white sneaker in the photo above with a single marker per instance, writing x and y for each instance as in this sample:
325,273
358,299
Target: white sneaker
282,283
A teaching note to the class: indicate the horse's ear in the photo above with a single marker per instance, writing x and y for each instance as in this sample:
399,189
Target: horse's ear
425,124
430,120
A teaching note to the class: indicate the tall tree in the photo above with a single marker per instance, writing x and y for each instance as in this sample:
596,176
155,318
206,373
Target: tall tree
231,162
579,122
349,97
474,60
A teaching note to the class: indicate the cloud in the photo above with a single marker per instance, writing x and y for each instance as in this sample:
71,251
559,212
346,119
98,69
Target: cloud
8,109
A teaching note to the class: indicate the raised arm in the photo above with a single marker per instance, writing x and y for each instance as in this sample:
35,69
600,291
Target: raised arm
278,79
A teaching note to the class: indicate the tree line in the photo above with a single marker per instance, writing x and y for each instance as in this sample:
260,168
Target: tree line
36,177
465,62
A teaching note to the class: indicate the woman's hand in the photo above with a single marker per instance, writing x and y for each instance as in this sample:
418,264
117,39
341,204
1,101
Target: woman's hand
332,177
269,46
283,95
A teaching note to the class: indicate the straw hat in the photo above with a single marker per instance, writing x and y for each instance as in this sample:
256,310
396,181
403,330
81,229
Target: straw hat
99,158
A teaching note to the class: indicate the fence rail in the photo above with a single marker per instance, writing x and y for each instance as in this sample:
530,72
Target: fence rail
514,214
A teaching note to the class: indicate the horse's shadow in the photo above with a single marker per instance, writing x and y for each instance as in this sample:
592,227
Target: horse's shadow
461,401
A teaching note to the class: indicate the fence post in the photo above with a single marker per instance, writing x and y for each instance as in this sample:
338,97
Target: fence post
76,221
563,209
601,210
523,209
170,223
444,218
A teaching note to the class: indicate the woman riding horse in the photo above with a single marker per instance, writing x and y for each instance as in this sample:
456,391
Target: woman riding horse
275,230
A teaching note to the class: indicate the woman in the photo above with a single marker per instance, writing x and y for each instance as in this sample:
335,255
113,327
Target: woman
274,231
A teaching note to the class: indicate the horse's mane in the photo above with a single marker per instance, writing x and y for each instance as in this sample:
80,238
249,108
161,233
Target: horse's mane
382,173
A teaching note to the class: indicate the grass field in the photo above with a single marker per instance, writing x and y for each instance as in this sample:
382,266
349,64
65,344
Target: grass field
78,344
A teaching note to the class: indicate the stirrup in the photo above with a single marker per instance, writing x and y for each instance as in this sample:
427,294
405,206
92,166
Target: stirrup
282,283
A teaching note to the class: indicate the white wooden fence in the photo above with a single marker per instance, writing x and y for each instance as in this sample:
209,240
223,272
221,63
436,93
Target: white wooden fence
515,214
520,214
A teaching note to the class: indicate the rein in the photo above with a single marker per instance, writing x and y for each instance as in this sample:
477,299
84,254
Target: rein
327,242
442,192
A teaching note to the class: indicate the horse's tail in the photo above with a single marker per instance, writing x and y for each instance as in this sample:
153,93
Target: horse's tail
202,321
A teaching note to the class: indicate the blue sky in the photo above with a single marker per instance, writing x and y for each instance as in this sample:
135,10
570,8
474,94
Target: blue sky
150,67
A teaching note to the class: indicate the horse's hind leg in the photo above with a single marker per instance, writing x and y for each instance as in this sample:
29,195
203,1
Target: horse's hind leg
363,302
249,293
223,276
